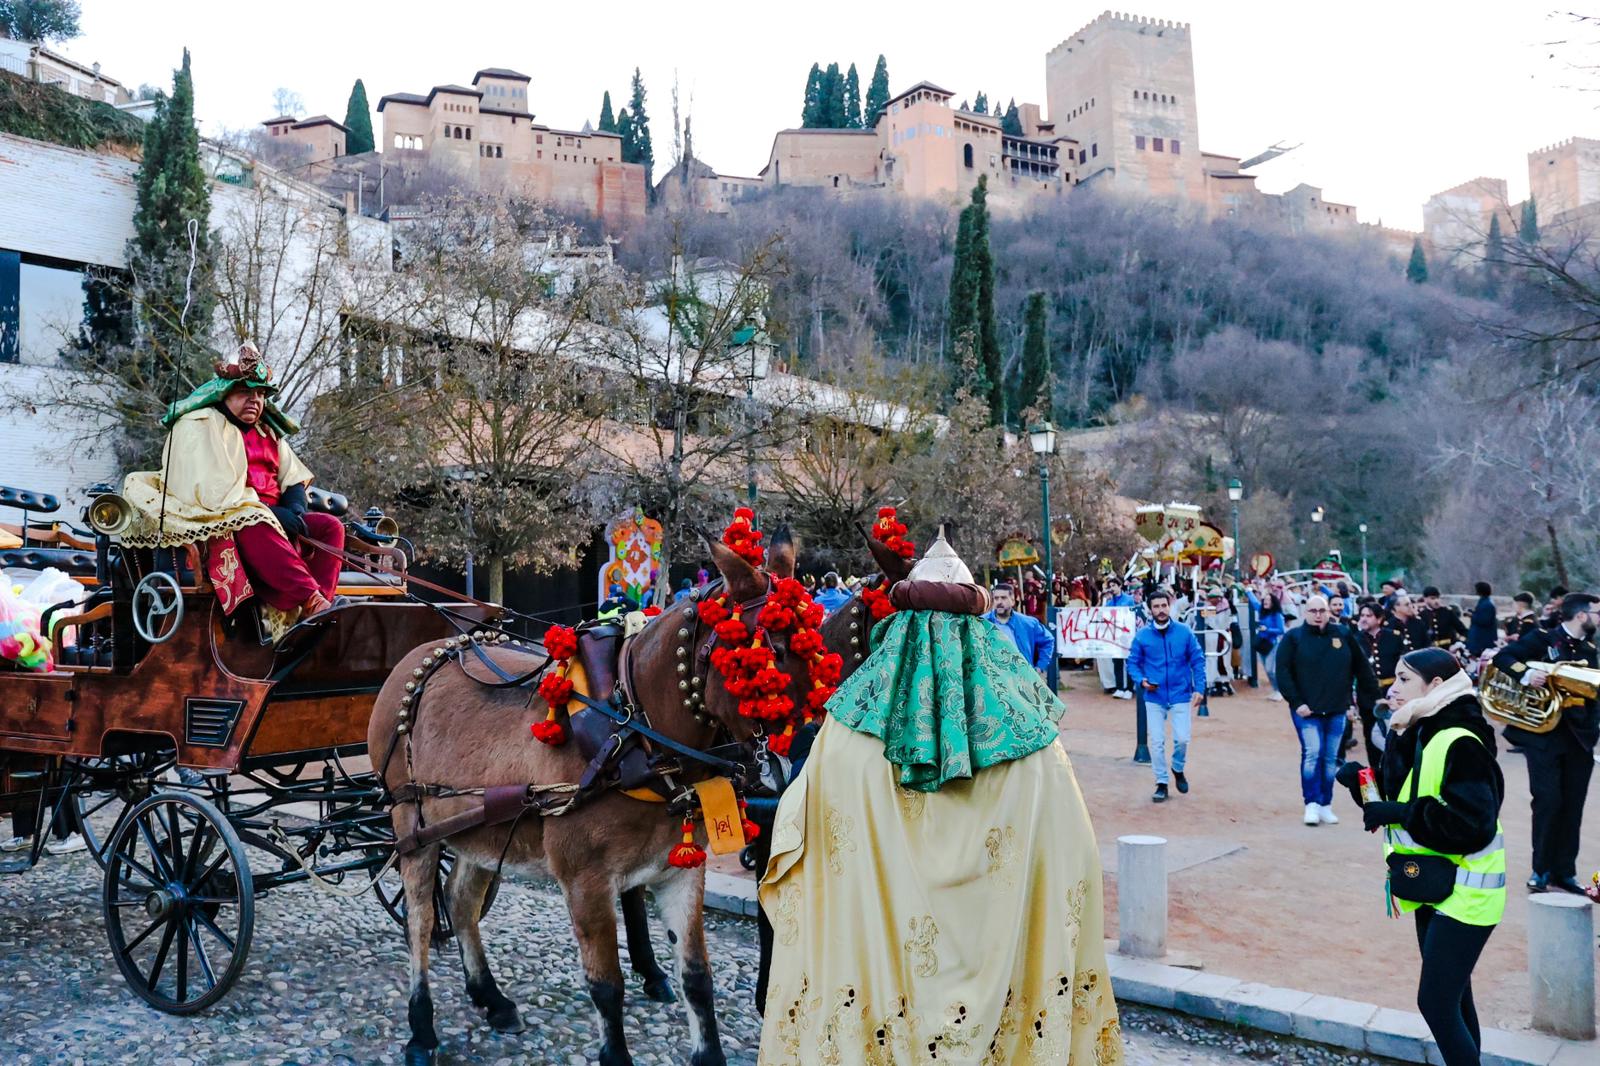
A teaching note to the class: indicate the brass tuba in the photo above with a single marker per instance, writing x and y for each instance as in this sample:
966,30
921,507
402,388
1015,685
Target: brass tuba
1536,708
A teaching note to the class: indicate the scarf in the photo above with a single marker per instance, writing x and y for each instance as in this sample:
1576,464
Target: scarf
1447,692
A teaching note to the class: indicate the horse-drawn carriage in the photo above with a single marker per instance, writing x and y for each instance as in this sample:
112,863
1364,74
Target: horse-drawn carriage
188,745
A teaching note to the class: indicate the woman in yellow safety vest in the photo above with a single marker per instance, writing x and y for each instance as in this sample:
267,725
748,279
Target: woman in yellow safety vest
1440,816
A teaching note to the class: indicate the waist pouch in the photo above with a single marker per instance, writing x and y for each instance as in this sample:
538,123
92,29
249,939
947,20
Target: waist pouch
1421,878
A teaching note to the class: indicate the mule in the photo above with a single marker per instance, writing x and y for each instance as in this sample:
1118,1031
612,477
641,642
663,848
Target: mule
451,731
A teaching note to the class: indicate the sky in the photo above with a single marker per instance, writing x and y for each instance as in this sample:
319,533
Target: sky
1390,100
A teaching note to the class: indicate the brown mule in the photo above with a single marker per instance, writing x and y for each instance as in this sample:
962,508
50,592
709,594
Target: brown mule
461,734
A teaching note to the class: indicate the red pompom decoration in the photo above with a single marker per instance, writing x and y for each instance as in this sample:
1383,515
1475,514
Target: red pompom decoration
750,829
714,612
549,731
806,643
686,855
651,611
555,689
780,744
892,533
561,642
732,631
877,602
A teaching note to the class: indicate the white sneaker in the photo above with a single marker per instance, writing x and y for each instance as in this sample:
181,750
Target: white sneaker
1276,695
73,843
1313,814
1325,813
1122,694
16,844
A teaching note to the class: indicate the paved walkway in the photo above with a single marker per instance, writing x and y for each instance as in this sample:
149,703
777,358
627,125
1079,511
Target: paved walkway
325,982
1260,896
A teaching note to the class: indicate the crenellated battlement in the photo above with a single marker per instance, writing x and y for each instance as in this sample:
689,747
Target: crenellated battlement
1118,20
1588,142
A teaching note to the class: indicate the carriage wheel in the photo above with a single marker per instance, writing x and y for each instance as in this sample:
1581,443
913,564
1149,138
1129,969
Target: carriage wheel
392,896
179,902
135,775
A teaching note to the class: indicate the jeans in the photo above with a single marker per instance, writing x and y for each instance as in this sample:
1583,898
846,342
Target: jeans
1450,949
1155,724
1319,755
1269,662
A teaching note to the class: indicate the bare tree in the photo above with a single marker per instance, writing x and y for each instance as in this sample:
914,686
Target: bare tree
287,102
482,354
689,357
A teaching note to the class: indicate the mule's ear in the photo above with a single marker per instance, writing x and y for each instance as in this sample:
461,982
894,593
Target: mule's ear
781,553
893,567
744,581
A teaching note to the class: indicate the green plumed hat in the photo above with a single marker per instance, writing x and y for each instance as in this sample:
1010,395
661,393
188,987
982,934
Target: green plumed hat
245,368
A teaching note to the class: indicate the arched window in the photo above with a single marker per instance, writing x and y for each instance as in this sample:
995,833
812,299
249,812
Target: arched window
966,154
469,133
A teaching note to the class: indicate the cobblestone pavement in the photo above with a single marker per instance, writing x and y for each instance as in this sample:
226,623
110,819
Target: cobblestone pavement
325,982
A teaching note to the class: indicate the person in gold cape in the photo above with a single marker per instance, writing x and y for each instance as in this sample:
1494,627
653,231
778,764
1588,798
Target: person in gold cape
934,887
230,481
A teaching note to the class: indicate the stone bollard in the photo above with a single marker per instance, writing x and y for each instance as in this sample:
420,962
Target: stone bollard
1560,964
1142,896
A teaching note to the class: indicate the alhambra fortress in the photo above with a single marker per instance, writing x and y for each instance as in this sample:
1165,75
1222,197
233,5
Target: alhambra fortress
1120,113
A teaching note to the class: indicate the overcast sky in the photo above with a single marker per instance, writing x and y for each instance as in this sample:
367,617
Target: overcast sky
1392,99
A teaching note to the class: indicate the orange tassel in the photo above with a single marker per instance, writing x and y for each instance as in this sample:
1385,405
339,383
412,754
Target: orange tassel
687,855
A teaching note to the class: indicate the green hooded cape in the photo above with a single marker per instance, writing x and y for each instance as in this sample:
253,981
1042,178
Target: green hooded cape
948,696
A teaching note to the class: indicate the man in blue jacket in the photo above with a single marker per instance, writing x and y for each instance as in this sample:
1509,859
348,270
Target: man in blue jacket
1027,633
1167,665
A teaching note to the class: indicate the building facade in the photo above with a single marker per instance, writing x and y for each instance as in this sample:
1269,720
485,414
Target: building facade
485,133
1123,88
1455,222
1564,178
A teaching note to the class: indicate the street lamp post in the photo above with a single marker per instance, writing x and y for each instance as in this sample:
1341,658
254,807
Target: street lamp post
1365,584
1235,494
1042,438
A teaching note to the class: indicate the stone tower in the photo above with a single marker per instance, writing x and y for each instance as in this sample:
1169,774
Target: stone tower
1123,88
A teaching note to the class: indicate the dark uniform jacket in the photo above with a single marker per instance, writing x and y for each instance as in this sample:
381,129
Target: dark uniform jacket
1394,640
1462,818
1443,624
1521,625
1369,645
1580,719
1319,669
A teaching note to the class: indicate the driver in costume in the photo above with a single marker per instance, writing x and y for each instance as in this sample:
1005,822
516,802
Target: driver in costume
934,887
228,472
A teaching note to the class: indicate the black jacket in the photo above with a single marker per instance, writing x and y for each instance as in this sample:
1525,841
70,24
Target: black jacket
1462,819
1320,667
1443,624
1579,720
1393,642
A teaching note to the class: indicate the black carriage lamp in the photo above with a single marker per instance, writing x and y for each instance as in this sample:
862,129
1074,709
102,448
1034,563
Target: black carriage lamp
1235,494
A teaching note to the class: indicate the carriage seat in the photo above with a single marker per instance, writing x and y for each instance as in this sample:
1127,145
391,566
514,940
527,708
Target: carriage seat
70,561
28,500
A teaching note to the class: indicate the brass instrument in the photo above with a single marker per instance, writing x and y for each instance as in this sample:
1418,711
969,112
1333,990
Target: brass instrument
1536,708
109,514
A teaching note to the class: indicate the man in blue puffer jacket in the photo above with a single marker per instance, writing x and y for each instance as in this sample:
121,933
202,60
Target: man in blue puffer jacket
1166,664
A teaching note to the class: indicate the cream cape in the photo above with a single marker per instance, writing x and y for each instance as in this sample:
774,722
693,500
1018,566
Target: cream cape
961,927
206,488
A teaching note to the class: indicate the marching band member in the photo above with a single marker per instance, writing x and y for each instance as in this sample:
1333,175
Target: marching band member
1561,761
1441,620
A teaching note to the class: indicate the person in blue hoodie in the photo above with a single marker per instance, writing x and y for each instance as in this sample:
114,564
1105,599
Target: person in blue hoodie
1167,665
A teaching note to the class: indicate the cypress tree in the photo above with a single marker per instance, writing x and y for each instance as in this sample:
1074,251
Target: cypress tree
1417,269
832,116
358,121
625,132
1035,370
811,110
642,151
980,103
992,386
1494,246
852,99
608,121
1012,122
171,191
877,93
961,312
1528,232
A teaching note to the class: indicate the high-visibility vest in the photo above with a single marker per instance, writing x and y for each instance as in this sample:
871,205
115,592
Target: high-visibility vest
1479,897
